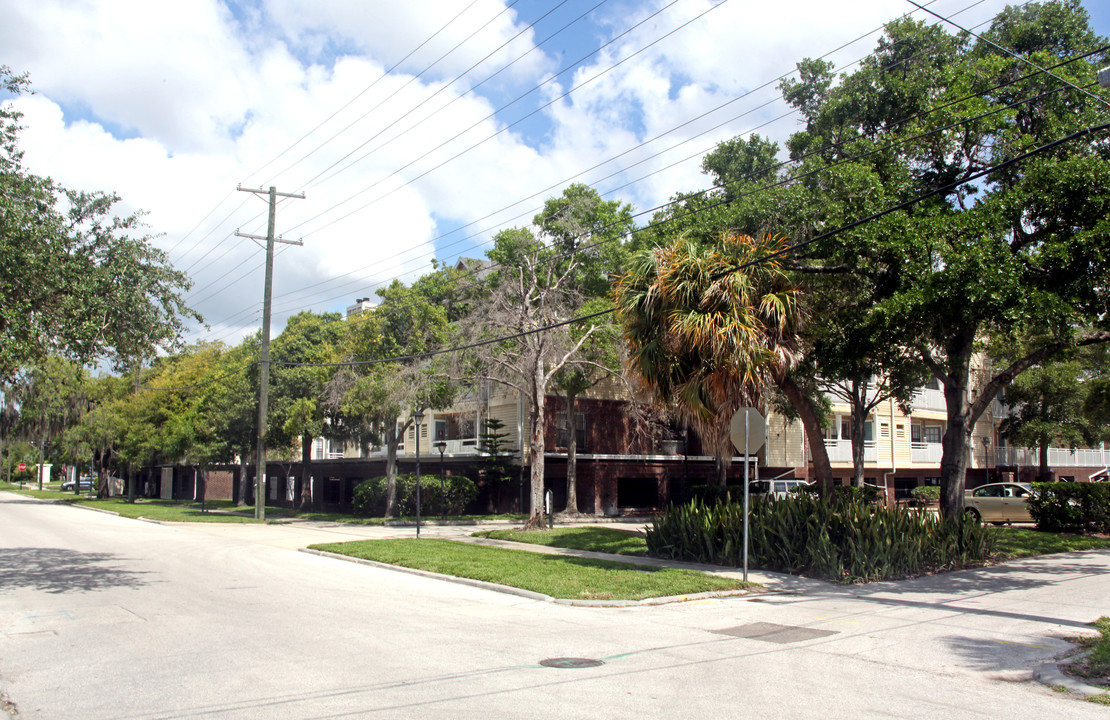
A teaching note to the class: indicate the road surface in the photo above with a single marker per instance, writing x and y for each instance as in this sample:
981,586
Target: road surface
105,617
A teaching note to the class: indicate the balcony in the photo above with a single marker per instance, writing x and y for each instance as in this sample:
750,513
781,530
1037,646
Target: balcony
841,451
926,452
1057,457
928,399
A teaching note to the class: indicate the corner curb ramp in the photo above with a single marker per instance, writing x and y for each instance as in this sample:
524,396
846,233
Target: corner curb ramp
1051,675
529,594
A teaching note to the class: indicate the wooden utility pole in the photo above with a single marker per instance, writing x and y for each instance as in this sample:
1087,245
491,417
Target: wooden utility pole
264,357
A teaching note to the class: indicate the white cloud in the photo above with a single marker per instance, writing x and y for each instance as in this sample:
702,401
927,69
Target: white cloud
172,105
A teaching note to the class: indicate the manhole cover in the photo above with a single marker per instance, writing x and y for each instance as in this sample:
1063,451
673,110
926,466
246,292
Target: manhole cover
570,662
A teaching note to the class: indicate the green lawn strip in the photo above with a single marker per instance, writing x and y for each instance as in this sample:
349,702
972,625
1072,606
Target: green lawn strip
1094,665
555,575
594,539
1021,542
32,490
169,510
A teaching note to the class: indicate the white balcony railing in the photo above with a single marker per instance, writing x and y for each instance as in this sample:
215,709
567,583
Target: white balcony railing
1057,457
928,399
841,451
462,446
925,452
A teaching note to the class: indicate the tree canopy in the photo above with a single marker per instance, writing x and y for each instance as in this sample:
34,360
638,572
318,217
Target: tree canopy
76,281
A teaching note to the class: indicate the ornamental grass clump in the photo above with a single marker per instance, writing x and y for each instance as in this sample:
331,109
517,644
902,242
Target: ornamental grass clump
844,540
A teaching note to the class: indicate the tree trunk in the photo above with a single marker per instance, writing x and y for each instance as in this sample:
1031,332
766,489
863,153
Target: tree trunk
807,412
305,495
957,436
391,441
1042,452
244,481
536,449
572,457
859,422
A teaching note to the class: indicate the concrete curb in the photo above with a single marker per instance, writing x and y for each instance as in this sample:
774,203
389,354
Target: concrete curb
1050,674
85,507
509,590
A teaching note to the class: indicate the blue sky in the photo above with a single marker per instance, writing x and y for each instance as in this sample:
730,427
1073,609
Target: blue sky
394,118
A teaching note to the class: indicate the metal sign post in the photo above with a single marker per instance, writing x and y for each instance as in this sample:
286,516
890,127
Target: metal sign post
746,432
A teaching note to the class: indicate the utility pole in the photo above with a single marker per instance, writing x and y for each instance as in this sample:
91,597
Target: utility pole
264,358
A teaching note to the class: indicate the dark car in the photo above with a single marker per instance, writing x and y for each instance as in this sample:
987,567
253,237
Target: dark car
85,483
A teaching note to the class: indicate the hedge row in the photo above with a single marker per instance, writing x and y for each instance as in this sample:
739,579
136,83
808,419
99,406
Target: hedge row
844,540
370,495
1071,507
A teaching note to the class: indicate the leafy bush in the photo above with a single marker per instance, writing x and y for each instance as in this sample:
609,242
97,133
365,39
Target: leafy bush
927,494
851,493
841,540
370,495
710,494
1071,507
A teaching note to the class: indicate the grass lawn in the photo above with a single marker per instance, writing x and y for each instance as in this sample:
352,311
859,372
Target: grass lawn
554,575
1094,667
595,539
1022,542
172,510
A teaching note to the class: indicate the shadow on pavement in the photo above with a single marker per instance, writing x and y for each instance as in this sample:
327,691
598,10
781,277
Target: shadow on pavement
989,655
57,570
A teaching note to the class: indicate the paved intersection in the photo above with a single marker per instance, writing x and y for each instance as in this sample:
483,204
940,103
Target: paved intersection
103,617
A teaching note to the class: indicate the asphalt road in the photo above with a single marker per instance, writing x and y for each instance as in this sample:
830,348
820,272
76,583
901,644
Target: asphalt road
104,617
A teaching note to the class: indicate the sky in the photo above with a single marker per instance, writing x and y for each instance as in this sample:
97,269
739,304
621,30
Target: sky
415,129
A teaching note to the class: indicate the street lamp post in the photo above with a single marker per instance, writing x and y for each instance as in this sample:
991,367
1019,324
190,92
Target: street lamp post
441,446
418,417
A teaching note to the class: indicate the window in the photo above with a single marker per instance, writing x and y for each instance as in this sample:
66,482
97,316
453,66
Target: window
868,432
915,433
441,430
933,384
845,429
900,431
989,491
932,433
579,430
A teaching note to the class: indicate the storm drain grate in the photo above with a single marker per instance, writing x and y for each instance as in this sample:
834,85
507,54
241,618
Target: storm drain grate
570,663
773,633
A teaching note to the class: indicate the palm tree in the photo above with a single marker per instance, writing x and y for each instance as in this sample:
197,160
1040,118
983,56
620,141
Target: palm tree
708,328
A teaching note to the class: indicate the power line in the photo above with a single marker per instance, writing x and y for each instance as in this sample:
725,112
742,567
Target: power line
369,87
638,146
765,258
359,281
1009,52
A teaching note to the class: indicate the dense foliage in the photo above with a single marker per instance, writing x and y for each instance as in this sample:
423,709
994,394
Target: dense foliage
840,540
371,495
1071,507
76,280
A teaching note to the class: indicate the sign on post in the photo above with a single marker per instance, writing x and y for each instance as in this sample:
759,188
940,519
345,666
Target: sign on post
22,467
757,429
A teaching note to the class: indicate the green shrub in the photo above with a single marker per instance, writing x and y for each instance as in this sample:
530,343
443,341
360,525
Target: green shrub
929,494
1071,507
851,493
710,494
370,495
844,540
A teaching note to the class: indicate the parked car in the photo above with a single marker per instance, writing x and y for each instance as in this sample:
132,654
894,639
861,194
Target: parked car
85,483
775,489
999,503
